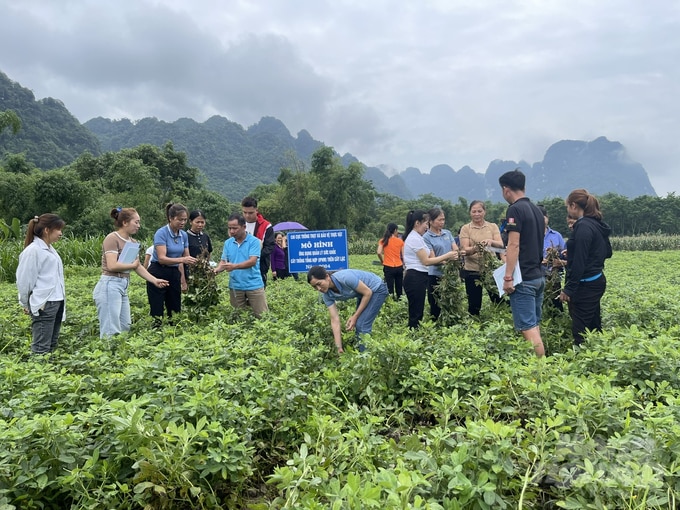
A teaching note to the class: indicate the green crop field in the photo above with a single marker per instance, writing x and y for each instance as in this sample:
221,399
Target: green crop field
232,412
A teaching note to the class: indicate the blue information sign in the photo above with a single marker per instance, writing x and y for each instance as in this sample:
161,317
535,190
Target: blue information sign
327,248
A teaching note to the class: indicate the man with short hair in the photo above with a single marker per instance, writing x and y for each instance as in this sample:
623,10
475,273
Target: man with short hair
261,229
241,258
525,227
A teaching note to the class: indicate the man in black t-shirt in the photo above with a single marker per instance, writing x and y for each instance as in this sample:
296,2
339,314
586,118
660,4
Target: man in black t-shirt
525,227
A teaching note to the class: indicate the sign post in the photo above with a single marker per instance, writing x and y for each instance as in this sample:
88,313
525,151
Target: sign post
326,248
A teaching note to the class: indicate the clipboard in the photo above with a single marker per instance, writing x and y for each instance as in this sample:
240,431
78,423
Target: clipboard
499,274
129,253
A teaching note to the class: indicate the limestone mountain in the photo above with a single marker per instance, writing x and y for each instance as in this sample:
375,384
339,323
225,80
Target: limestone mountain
601,166
50,137
234,160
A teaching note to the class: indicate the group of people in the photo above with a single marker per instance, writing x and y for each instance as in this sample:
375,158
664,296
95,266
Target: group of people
412,262
587,248
246,256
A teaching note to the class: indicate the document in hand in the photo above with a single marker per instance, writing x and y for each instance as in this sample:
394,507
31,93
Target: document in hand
129,253
499,274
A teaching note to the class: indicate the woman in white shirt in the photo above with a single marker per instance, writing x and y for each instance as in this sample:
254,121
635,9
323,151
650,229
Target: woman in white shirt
40,281
416,259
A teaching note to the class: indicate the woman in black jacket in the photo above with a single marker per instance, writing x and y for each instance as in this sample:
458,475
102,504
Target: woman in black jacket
587,248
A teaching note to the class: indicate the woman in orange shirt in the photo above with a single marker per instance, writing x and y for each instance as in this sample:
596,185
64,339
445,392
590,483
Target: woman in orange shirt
390,252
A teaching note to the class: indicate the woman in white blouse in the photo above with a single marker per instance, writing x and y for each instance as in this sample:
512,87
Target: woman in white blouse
416,259
40,281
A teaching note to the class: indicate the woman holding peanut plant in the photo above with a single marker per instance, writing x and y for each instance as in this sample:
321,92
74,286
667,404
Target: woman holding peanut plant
587,248
40,281
171,252
417,259
475,236
111,292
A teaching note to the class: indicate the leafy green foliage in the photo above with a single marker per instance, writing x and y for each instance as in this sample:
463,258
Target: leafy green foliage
243,413
9,119
450,295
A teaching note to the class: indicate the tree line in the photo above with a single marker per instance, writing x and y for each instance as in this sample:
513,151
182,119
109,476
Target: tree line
328,195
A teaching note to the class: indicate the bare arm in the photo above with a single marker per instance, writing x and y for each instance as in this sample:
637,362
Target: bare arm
229,266
511,260
142,272
335,327
114,266
426,260
162,254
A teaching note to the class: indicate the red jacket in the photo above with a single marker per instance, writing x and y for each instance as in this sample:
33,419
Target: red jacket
265,233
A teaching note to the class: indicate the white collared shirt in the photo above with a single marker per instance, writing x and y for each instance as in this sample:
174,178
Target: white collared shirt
40,276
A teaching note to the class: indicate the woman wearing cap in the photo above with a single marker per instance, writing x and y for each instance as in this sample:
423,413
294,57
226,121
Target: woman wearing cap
40,281
391,255
111,292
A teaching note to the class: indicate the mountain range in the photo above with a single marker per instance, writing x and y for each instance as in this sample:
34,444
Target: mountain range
235,160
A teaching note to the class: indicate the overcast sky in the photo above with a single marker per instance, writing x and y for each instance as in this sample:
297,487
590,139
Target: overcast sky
401,82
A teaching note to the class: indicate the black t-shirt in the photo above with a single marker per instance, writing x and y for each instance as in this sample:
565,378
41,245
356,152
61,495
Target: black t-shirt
197,242
527,219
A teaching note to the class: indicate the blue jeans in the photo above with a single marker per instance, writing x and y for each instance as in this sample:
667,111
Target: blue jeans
367,318
46,326
527,304
113,305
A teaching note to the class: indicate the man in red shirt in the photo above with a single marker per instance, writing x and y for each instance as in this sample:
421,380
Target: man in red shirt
258,226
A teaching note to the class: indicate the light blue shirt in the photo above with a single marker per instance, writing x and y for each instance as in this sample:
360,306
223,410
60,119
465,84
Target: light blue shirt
174,243
243,279
439,244
347,281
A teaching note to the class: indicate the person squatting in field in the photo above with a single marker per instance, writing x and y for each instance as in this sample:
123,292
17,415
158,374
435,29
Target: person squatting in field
111,292
40,282
367,288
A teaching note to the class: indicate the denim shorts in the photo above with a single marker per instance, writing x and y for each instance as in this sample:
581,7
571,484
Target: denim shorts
527,304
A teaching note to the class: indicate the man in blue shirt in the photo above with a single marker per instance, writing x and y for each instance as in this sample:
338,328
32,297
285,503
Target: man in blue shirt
553,241
368,289
241,258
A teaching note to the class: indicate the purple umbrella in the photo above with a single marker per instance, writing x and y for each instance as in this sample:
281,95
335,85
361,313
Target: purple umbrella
288,225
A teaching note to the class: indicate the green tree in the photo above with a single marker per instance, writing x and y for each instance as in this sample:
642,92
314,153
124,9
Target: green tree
17,164
9,119
16,196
